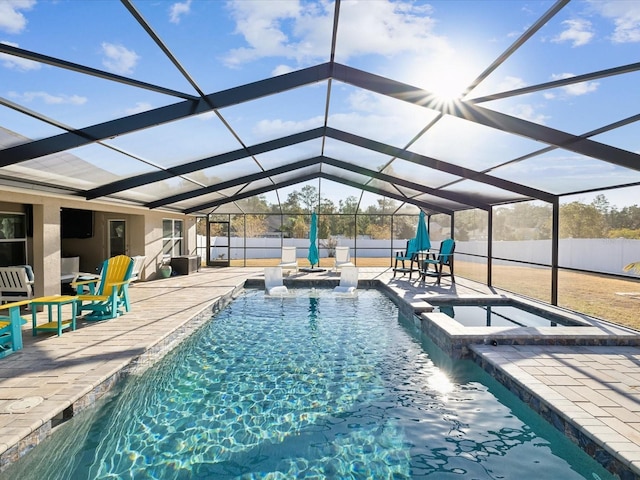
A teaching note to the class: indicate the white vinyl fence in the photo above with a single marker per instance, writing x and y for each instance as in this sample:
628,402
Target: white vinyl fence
599,254
606,255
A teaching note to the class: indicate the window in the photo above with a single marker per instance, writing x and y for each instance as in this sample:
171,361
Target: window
172,237
13,239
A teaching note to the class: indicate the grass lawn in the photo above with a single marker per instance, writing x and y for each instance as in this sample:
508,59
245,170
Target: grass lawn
613,299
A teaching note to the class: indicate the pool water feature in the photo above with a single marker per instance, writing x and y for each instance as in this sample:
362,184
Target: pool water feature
314,386
501,314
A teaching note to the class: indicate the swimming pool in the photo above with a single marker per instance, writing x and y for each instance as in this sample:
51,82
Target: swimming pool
488,313
308,387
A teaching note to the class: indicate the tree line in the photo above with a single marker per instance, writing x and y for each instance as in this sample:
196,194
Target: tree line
520,221
533,221
334,220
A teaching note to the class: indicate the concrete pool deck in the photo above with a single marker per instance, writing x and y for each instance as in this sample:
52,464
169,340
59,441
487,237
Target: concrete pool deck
591,392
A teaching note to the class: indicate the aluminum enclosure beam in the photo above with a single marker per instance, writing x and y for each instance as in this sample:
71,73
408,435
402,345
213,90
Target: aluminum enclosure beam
161,115
452,196
489,118
304,178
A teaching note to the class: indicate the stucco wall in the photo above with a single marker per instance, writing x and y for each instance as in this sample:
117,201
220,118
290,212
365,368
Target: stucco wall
46,247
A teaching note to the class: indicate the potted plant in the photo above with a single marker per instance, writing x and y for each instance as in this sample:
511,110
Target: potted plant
164,268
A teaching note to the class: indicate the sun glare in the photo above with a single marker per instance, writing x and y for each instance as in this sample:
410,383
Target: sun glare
440,383
447,88
448,78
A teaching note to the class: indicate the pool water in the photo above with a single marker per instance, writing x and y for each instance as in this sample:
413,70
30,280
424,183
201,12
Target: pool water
314,386
502,315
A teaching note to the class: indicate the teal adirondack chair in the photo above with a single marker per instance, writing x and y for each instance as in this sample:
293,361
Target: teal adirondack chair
444,258
108,296
11,328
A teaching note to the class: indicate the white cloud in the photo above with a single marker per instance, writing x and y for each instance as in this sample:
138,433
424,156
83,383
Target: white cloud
577,31
206,116
511,83
386,28
17,63
49,98
179,9
581,88
140,107
364,101
277,127
119,59
281,70
259,23
528,112
303,34
387,128
576,89
11,19
375,116
625,16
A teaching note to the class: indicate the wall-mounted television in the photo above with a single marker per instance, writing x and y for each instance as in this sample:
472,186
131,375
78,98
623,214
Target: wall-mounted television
76,223
13,253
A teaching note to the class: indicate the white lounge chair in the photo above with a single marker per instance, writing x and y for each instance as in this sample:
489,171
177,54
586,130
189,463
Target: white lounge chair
69,268
289,258
138,267
273,282
348,281
342,258
15,284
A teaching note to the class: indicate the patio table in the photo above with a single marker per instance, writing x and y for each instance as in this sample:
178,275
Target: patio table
58,324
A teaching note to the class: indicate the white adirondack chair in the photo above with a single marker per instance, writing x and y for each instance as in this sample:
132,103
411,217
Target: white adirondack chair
15,284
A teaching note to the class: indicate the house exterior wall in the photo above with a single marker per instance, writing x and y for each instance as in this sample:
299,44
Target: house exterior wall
45,247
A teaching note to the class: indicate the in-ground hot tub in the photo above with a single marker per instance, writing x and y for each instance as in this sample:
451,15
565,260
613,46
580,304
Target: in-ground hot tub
455,323
499,312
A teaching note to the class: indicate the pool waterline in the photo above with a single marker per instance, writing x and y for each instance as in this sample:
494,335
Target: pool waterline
356,429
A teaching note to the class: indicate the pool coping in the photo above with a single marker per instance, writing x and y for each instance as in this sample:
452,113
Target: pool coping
617,454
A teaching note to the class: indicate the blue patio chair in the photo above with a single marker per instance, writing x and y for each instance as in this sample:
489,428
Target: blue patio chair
408,255
444,258
108,296
11,328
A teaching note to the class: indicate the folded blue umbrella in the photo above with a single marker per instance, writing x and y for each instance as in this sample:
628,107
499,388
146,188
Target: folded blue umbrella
421,240
314,256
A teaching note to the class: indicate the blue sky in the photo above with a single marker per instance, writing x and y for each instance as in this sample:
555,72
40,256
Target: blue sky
441,46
